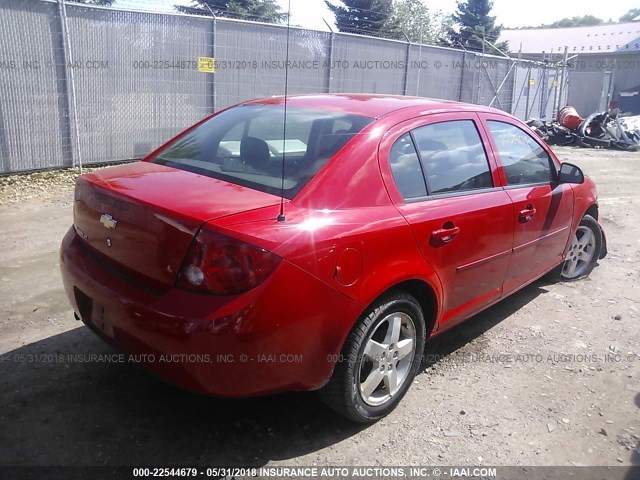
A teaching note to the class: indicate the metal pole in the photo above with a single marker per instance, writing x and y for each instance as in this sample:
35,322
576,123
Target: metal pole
481,70
69,54
526,108
419,58
554,112
541,84
406,66
329,56
515,84
213,55
63,94
479,73
564,75
543,106
464,59
543,87
612,79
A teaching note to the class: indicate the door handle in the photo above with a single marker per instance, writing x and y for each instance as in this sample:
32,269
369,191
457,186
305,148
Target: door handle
527,214
445,234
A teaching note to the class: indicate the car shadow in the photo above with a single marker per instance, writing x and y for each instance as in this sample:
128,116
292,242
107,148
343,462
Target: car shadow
635,453
57,412
440,347
104,413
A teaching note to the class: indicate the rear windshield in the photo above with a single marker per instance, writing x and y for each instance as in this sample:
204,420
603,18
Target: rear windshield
244,145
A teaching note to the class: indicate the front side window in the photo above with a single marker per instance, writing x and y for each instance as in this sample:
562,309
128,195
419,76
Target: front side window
453,157
247,145
523,159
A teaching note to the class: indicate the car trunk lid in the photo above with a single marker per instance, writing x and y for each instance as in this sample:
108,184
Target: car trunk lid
142,217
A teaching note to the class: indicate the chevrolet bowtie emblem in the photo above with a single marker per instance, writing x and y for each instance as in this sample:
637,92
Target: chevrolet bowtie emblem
108,221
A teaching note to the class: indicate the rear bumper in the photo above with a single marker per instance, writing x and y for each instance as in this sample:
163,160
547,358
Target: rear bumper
283,335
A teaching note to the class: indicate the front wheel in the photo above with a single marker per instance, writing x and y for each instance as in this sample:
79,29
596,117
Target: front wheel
584,251
379,360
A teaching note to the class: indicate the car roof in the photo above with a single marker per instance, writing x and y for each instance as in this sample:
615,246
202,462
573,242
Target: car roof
370,105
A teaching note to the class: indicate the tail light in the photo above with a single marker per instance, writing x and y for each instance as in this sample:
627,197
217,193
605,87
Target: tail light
221,265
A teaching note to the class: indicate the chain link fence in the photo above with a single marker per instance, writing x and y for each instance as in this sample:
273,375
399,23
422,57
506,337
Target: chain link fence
86,85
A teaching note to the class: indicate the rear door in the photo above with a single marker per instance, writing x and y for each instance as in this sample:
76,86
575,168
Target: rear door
543,209
444,184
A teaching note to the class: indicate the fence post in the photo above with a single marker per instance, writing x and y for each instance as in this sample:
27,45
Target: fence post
5,161
526,108
68,55
64,91
419,62
549,88
564,75
406,68
554,109
213,55
330,59
464,67
514,106
479,73
543,86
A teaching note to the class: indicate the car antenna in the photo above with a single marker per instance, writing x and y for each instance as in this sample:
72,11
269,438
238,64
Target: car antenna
281,217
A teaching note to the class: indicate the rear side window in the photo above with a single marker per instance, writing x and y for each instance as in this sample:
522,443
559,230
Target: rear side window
453,157
248,145
523,159
406,169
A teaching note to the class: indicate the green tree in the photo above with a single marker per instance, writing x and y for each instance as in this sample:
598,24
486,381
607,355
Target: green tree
366,17
475,28
630,15
256,10
584,21
419,23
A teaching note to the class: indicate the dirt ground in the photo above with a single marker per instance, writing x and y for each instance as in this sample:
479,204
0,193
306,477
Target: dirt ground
550,376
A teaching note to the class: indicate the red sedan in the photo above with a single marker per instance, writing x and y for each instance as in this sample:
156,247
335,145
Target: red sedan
315,242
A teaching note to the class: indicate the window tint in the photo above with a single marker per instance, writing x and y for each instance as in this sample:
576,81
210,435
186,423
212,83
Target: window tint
453,157
246,145
523,159
406,169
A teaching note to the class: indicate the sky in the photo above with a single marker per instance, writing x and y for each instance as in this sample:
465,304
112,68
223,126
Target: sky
510,13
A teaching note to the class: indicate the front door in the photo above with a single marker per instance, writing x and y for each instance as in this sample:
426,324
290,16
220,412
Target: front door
543,209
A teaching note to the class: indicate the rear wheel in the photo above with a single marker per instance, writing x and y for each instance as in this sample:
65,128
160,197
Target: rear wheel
584,251
379,360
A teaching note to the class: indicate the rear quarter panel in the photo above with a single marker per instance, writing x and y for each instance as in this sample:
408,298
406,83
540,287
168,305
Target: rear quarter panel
346,207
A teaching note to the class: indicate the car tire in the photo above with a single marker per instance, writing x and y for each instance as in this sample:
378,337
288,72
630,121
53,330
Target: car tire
379,360
584,251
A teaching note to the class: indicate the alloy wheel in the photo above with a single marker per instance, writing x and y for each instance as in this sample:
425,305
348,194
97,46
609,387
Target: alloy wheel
580,254
387,358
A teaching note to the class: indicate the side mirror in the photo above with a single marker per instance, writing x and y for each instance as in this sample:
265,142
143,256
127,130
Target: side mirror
569,173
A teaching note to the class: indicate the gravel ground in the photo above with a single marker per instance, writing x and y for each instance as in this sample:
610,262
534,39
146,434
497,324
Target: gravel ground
549,376
46,185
